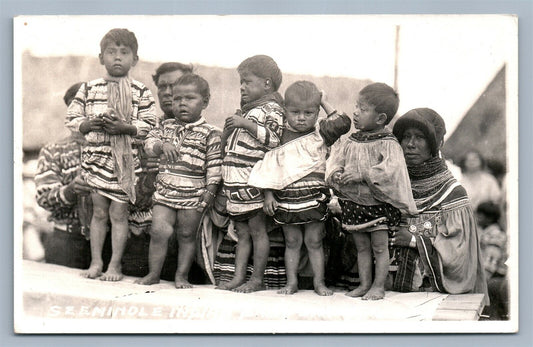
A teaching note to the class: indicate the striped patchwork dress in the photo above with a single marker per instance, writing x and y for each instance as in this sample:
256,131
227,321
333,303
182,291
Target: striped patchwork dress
243,150
295,171
180,184
98,164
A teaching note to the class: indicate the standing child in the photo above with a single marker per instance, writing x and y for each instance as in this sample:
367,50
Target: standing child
110,111
189,175
369,173
250,136
293,178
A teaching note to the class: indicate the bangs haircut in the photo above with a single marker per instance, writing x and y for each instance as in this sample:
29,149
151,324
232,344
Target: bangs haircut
171,67
262,66
303,91
382,97
122,37
198,81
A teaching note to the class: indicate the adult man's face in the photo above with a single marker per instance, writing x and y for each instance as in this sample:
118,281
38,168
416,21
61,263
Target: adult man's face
164,91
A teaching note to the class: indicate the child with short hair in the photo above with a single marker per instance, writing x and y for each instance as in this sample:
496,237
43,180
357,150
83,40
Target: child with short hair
110,111
293,178
250,136
189,175
369,173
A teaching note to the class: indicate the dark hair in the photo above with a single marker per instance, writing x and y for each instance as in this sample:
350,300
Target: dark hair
120,37
262,66
490,210
383,98
71,93
462,162
198,81
171,67
303,91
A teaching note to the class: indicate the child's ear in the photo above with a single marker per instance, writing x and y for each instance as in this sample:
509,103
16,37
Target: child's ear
206,102
382,118
101,57
268,84
135,60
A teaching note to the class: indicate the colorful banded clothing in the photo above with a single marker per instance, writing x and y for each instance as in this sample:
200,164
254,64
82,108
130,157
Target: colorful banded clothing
379,159
243,150
295,171
180,184
447,241
98,164
58,165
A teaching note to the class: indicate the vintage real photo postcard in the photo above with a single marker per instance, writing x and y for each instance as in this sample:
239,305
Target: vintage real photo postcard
266,174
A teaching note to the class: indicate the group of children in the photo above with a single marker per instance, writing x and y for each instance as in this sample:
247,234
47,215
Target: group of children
274,159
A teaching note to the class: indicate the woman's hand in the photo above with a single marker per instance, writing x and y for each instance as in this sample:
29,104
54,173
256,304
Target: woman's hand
170,151
401,237
270,204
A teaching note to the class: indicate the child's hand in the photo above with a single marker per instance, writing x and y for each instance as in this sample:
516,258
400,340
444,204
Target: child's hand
234,122
336,177
323,96
93,124
270,204
170,151
206,200
351,177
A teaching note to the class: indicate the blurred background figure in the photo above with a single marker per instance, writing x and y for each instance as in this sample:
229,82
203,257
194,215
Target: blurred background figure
494,252
479,184
61,191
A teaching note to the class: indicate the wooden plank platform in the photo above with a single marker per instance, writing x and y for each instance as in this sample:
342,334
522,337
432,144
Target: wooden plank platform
57,299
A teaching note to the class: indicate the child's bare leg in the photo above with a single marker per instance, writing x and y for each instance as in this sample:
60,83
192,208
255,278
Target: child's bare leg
163,220
314,233
98,232
242,254
364,263
118,214
261,246
293,244
188,221
380,249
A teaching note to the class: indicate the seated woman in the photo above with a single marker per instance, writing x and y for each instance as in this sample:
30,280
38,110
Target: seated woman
437,250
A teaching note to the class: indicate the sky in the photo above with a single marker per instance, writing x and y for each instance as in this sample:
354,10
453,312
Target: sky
444,61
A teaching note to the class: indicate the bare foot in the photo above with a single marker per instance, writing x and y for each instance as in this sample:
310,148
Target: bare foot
359,291
374,294
249,287
112,274
181,282
151,278
322,290
234,283
289,289
93,271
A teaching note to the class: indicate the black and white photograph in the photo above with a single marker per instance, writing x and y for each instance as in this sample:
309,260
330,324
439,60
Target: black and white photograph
266,174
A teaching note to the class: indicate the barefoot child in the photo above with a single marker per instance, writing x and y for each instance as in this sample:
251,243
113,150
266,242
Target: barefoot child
369,173
189,175
110,111
250,136
293,178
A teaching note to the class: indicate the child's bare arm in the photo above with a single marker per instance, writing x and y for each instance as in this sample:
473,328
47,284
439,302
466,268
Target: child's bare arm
328,108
